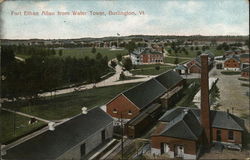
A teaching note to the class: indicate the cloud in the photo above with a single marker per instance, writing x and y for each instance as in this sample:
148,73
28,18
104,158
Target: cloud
217,17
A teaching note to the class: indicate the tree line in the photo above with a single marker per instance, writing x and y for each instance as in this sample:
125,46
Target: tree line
42,72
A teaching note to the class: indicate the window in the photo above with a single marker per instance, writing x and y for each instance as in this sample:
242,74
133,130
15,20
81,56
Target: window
129,112
230,135
114,111
218,135
103,135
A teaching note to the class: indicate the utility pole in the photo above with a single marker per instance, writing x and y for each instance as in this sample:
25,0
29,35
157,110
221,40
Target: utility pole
122,136
14,124
117,40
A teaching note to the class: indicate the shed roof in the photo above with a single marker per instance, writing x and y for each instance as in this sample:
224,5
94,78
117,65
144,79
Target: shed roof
52,144
144,114
247,69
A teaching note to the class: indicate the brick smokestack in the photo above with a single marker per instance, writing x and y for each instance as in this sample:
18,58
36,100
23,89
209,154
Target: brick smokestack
205,108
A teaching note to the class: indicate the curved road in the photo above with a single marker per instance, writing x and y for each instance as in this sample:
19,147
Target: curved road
113,80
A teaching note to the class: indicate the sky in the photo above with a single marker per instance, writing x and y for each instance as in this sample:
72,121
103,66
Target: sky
161,17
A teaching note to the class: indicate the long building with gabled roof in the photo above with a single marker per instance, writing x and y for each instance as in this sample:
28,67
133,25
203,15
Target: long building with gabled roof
133,101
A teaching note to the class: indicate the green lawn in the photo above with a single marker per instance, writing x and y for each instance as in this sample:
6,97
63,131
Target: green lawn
172,60
68,105
58,107
83,52
151,70
143,66
230,72
193,53
7,132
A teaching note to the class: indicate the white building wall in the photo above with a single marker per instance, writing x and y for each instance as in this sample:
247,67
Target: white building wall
91,143
134,59
232,69
156,151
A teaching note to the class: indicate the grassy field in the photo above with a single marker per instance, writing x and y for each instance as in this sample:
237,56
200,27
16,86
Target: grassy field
58,107
15,126
150,70
193,53
230,72
68,105
83,52
172,60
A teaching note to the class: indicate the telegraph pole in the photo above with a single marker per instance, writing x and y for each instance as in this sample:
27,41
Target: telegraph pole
122,136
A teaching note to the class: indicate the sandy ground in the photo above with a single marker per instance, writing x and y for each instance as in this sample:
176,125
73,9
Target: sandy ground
232,94
227,154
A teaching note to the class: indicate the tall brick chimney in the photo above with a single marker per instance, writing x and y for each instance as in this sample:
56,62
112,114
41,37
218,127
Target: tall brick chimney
205,107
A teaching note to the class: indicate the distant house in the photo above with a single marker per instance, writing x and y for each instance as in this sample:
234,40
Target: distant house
180,132
245,58
146,56
130,103
73,139
245,72
194,66
234,52
232,63
181,69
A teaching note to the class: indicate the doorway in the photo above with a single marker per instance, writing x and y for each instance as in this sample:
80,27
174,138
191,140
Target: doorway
179,151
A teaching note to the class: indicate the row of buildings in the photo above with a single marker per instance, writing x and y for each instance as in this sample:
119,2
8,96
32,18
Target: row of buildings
230,62
180,132
194,65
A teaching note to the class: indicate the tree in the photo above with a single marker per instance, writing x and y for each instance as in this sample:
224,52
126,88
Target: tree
198,53
203,48
127,64
60,53
197,48
119,57
176,61
113,64
93,50
157,68
247,42
122,76
191,48
98,56
169,51
130,46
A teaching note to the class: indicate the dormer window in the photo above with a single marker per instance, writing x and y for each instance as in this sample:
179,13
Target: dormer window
114,111
129,112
